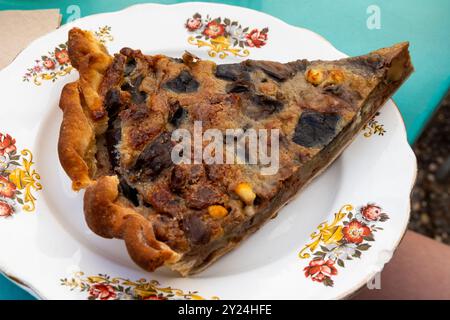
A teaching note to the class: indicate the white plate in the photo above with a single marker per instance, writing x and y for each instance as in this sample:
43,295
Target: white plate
43,247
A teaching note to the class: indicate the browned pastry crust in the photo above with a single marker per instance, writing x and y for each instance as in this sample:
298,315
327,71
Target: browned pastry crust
82,107
76,146
115,141
83,119
108,217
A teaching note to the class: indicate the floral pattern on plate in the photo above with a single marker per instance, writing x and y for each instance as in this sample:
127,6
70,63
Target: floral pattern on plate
56,63
345,238
223,36
18,179
103,287
374,127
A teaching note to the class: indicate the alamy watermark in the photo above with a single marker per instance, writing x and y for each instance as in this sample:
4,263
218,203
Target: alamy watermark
375,282
74,12
237,146
374,20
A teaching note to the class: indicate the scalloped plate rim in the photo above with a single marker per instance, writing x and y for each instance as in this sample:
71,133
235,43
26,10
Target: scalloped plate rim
27,285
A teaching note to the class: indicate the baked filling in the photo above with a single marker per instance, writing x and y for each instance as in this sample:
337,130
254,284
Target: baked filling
116,141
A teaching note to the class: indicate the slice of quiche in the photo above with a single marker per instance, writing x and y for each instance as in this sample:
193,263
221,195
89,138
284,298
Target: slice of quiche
117,141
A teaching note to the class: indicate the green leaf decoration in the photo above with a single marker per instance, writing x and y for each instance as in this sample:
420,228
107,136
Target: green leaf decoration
328,282
364,246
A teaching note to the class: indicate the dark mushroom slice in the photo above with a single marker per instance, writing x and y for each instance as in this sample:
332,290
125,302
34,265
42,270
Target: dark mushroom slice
315,129
259,106
196,230
183,83
155,158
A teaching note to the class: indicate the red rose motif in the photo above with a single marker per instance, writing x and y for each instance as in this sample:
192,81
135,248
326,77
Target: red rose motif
155,297
214,29
319,269
355,231
7,189
49,64
256,38
62,56
193,24
5,209
371,212
7,144
102,291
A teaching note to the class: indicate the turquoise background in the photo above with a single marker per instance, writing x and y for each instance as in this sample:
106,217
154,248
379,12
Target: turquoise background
425,24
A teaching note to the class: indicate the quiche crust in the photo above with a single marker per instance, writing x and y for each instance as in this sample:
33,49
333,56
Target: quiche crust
115,140
82,106
109,217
